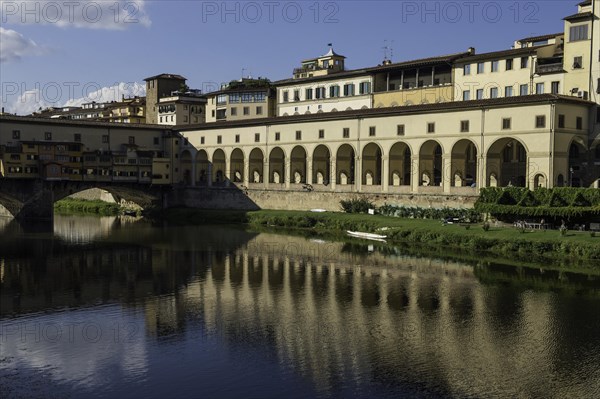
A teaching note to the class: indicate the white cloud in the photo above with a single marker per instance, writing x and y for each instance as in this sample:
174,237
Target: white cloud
14,45
32,100
112,93
99,14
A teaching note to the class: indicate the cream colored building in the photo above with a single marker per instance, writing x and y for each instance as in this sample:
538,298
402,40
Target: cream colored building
242,99
182,109
454,147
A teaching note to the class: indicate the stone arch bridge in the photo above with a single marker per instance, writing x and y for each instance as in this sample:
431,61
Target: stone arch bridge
34,198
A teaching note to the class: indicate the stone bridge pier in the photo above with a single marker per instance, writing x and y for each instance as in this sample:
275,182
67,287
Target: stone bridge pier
33,199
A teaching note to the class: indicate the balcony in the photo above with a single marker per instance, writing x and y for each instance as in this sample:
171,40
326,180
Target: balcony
542,69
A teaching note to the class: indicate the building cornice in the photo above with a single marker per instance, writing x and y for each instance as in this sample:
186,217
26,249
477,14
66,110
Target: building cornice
394,111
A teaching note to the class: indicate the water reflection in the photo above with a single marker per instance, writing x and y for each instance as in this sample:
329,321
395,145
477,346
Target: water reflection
248,306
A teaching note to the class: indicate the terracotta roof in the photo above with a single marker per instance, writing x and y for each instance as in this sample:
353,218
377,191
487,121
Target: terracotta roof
69,122
393,111
503,53
420,62
166,76
379,68
581,15
539,38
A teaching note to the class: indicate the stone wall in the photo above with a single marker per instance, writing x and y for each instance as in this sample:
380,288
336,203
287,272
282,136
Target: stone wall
254,199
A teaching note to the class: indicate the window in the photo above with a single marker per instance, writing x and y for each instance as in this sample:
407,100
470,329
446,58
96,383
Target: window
221,99
320,92
372,131
105,138
334,91
508,91
48,135
539,88
77,137
400,130
259,110
561,121
494,92
431,127
131,139
467,69
464,126
540,121
346,133
578,32
219,139
298,135
555,87
237,138
16,134
524,62
480,67
321,133
256,137
506,122
509,64
234,98
479,94
495,65
277,136
349,89
524,89
309,94
156,140
579,123
466,95
201,140
286,96
577,62
246,110
233,111
364,88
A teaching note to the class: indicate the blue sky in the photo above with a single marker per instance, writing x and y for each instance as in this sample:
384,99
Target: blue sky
67,53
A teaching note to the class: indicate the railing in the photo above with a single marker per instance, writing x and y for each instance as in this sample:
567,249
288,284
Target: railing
549,68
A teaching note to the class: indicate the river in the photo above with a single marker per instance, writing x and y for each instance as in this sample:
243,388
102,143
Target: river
118,307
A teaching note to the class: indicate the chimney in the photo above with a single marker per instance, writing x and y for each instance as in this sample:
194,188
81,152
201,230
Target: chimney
471,50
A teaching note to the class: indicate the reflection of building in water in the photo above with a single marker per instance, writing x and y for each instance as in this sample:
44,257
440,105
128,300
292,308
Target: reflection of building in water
82,229
396,321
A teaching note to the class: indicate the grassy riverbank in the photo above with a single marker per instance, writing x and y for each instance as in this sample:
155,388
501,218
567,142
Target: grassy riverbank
508,242
78,206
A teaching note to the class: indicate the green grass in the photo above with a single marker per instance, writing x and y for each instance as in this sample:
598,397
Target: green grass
97,207
508,242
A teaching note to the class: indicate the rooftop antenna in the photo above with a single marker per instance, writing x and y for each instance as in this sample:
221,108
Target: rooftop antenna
387,48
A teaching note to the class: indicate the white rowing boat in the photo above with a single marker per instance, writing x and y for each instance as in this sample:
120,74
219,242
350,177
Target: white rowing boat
368,236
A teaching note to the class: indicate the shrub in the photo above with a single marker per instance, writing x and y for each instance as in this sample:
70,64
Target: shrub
486,226
357,205
563,230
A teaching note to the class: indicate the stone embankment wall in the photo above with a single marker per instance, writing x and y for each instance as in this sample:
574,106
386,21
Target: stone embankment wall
254,199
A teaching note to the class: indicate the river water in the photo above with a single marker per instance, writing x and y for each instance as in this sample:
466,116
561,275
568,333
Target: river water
115,307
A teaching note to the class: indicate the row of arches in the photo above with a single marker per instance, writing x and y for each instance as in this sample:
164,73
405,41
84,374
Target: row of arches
506,164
